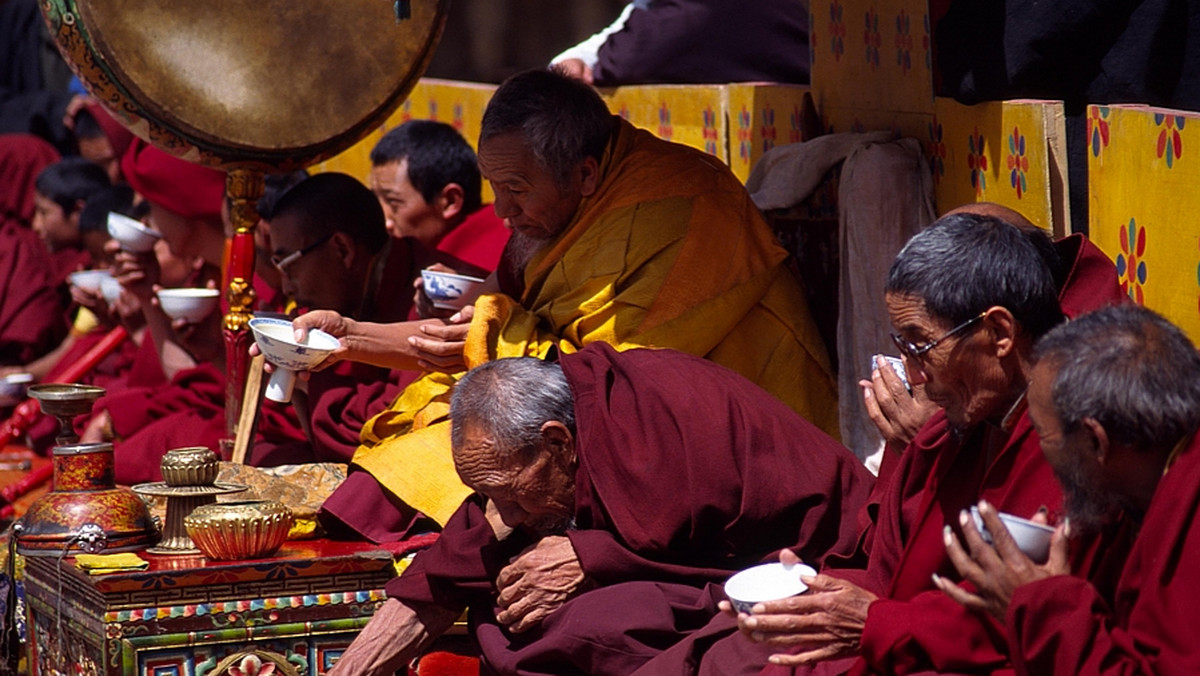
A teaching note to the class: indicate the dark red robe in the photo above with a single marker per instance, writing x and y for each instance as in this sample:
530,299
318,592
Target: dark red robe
1065,625
687,471
477,241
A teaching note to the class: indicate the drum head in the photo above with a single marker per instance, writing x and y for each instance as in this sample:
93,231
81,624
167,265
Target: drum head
277,83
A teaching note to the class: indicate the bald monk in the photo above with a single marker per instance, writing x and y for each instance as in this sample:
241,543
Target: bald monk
966,341
591,473
1115,396
614,233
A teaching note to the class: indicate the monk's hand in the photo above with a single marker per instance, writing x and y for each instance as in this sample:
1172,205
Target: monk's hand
538,582
425,308
996,570
897,413
575,69
137,273
826,622
440,346
328,321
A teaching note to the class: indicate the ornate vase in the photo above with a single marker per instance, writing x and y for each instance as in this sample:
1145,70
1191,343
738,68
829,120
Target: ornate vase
85,511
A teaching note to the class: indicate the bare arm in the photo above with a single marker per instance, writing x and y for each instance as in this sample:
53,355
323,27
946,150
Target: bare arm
394,636
385,345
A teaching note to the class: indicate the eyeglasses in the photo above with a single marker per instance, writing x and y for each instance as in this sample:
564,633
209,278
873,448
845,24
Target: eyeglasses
914,351
282,262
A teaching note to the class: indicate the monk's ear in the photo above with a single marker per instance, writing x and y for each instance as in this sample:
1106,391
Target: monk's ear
450,201
589,176
344,248
558,439
1101,444
1003,328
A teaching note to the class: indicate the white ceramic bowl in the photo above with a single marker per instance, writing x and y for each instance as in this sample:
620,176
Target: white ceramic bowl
110,288
1032,538
277,340
131,233
447,290
89,280
190,305
12,388
767,582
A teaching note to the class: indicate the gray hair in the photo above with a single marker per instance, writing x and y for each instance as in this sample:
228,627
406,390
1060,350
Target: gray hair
1131,370
965,263
562,120
510,399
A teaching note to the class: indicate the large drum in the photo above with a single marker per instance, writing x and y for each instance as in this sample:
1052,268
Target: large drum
247,86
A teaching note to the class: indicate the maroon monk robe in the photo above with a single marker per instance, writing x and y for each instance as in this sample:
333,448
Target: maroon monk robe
687,471
31,311
1063,625
890,518
477,241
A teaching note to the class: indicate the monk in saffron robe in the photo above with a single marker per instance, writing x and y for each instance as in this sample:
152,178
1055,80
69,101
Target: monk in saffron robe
1133,451
617,239
645,465
995,456
31,314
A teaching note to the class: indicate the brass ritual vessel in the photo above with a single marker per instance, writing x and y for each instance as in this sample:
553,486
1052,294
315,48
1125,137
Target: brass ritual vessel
239,530
190,482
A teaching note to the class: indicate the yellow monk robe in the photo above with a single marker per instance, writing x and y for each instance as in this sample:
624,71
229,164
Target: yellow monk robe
670,253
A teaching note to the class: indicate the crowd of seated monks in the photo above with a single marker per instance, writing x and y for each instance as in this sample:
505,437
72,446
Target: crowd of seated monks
635,404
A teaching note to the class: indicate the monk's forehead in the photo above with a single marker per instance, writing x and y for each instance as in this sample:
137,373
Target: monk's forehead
478,462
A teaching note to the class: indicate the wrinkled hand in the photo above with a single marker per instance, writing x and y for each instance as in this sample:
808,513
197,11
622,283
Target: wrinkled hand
441,347
575,68
997,570
203,340
825,622
898,414
538,582
326,320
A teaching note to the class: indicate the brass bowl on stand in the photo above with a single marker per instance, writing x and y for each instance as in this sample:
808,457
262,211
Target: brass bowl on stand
252,529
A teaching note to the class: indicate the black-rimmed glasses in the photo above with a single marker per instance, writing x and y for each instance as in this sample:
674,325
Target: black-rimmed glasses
914,351
282,262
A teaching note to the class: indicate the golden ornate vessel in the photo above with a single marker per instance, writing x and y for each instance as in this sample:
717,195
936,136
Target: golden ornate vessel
191,466
249,529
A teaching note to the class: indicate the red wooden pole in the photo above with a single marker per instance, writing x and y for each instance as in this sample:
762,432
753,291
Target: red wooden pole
243,187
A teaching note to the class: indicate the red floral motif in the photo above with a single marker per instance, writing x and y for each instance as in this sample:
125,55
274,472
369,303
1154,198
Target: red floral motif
1097,129
1131,269
665,130
937,150
837,30
872,38
768,128
1170,143
1018,163
710,130
745,134
457,120
904,42
796,122
977,162
251,665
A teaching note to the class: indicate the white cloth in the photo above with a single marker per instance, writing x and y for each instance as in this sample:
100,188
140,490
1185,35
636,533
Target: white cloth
588,51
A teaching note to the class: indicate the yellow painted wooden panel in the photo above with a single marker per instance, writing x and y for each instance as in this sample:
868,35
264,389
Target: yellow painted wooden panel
999,152
871,55
760,117
1143,169
836,120
689,114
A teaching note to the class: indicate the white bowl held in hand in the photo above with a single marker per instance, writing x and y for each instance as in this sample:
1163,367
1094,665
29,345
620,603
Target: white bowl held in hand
447,290
110,288
89,280
277,340
767,582
1032,538
190,305
131,233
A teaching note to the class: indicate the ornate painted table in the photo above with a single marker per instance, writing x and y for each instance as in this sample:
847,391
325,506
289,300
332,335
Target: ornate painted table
290,615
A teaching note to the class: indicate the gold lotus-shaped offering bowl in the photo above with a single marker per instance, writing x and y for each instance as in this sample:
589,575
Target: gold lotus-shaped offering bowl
192,466
227,531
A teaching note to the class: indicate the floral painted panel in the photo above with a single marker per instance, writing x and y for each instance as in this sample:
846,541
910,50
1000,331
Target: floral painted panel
1143,168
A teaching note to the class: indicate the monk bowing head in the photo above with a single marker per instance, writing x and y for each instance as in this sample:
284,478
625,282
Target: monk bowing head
513,437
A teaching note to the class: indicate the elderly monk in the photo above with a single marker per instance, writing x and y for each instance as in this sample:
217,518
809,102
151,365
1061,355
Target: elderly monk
600,469
1115,396
427,180
332,250
614,238
968,297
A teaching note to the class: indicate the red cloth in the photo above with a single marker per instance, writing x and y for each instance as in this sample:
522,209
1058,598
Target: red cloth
687,471
1063,625
1091,282
22,158
478,241
184,188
